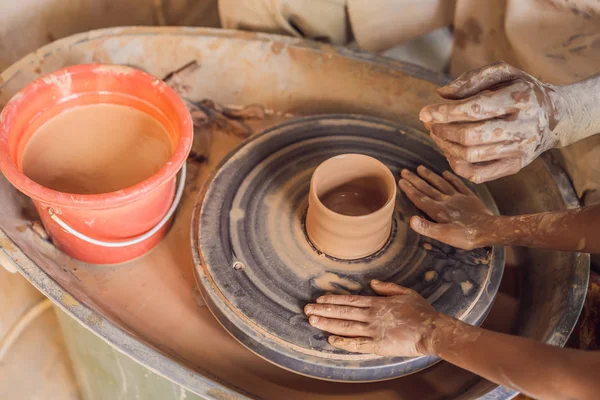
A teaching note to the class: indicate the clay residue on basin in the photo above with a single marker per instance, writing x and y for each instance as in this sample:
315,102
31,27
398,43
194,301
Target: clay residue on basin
95,149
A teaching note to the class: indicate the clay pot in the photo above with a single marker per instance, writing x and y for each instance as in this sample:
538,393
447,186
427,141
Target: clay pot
350,206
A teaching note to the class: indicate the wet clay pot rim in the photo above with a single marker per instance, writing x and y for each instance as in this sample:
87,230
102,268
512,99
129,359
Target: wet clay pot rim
383,209
58,86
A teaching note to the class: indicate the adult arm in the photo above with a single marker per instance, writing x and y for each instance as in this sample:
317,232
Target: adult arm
403,324
498,119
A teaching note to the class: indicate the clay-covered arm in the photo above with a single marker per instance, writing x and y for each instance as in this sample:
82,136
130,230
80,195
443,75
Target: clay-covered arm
581,111
402,323
460,219
573,230
498,119
535,369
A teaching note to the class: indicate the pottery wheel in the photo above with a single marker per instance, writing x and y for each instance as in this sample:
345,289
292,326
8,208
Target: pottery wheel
257,270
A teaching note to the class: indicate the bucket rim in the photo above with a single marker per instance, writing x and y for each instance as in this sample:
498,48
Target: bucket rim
37,192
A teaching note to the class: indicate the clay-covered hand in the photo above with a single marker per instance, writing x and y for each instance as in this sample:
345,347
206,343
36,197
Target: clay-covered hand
499,120
399,324
461,218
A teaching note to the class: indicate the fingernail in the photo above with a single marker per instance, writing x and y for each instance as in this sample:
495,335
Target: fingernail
415,222
333,339
447,174
451,86
404,185
313,320
308,309
425,116
455,84
376,282
321,300
446,90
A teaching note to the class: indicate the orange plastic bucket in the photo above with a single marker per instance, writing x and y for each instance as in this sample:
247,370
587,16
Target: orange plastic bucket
105,228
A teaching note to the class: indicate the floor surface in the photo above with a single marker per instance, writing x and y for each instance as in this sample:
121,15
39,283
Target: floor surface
36,366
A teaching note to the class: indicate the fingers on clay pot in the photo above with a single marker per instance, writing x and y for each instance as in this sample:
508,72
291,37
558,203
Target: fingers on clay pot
350,206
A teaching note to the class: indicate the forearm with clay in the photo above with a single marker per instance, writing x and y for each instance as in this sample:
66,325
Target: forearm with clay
459,218
536,369
581,116
400,322
573,230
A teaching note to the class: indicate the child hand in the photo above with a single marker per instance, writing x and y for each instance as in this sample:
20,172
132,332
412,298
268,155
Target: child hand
501,121
400,324
461,218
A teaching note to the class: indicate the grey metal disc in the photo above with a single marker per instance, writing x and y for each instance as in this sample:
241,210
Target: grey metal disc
257,270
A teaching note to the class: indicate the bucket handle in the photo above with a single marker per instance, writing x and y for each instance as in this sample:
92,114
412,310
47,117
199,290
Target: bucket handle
137,239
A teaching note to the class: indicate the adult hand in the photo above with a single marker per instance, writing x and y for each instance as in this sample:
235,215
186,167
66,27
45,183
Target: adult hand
501,119
399,324
461,218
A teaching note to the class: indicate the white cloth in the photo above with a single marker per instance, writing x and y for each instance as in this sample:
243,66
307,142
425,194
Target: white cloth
557,41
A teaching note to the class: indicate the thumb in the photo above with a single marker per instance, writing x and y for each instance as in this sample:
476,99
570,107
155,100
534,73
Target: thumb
429,229
445,233
484,78
389,288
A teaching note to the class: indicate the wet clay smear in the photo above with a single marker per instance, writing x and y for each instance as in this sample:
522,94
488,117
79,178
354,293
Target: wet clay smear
96,149
360,196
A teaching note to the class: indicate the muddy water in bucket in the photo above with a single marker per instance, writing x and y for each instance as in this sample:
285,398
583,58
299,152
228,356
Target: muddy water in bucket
95,149
98,149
